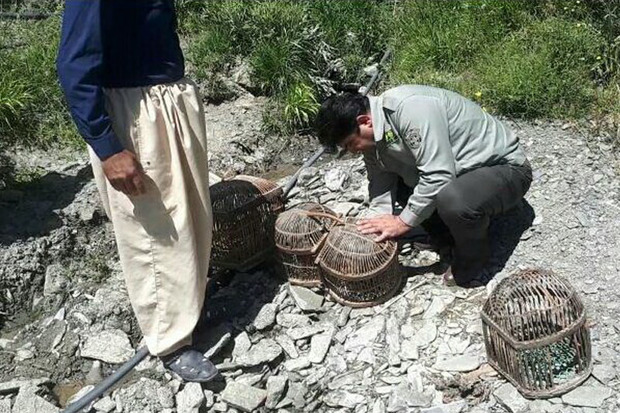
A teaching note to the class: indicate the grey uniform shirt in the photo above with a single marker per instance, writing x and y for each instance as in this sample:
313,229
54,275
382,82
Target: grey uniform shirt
428,137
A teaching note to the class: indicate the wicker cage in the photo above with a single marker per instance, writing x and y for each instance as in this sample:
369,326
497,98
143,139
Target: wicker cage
357,271
244,212
300,233
535,333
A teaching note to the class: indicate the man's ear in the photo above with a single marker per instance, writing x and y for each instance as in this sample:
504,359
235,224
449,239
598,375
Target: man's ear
365,120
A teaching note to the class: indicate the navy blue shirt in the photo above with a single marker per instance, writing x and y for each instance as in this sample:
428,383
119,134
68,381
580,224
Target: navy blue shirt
114,44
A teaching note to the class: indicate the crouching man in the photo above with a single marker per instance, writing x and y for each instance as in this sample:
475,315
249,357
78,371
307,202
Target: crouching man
456,165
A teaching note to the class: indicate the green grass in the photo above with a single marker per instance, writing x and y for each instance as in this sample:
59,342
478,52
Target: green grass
31,102
545,69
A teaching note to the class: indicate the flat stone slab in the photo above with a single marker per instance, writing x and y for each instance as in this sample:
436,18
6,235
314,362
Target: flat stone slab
242,344
454,407
604,373
299,363
265,351
366,335
28,402
276,387
509,397
464,363
344,399
243,397
587,396
266,317
13,386
319,346
109,346
305,298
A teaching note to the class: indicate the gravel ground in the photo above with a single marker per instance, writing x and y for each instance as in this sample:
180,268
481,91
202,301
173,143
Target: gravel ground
68,322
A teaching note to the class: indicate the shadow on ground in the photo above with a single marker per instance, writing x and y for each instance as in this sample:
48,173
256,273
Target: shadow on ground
233,301
505,232
31,209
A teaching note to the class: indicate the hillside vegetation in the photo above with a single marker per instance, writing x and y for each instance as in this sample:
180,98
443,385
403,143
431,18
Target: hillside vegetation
527,58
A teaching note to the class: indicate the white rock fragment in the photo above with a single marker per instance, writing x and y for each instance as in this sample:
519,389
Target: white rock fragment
244,398
265,351
190,398
266,317
305,298
109,346
366,335
346,399
587,396
464,363
319,345
509,397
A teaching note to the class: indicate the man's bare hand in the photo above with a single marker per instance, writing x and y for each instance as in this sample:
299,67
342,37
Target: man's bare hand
125,173
385,226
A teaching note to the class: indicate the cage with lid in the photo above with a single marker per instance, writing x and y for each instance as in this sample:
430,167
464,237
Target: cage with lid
536,334
300,233
244,213
358,271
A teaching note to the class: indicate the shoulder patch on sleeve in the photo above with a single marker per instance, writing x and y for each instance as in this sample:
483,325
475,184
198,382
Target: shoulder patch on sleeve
413,138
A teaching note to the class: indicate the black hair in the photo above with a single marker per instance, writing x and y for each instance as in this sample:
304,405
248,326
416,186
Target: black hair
337,117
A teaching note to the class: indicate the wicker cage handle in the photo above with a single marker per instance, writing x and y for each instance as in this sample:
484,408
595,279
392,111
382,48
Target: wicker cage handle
324,215
319,244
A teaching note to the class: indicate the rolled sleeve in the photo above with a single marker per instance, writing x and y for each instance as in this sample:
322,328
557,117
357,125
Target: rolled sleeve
79,64
425,118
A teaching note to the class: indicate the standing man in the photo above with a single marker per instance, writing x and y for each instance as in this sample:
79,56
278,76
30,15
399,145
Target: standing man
457,165
122,71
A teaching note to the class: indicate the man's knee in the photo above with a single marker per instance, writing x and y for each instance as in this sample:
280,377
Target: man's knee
452,206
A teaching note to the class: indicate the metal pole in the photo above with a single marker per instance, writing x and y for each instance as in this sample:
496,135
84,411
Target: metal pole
108,382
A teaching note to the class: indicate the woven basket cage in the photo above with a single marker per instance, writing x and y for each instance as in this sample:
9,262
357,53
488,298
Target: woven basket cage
536,335
244,212
300,233
358,271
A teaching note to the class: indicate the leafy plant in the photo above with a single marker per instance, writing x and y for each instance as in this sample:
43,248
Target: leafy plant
300,106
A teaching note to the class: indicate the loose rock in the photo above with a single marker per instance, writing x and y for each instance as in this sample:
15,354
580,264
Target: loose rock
28,402
319,345
511,399
109,346
306,299
276,387
190,398
587,396
265,351
245,398
266,317
343,399
462,363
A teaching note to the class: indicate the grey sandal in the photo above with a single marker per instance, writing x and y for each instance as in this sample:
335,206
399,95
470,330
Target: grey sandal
191,365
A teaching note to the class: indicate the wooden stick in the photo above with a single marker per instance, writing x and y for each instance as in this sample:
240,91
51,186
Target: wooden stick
421,283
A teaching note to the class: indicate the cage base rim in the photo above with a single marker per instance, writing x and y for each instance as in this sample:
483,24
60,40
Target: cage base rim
550,393
362,304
